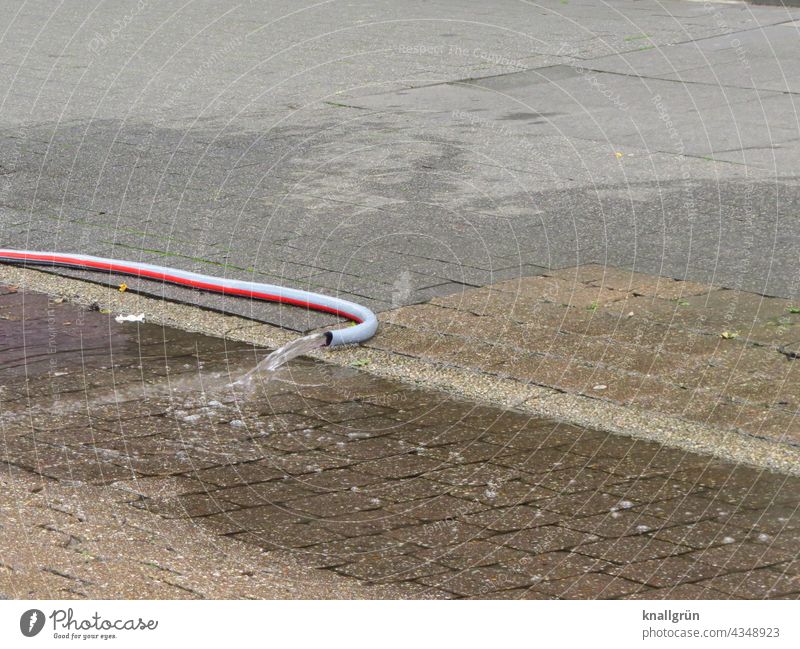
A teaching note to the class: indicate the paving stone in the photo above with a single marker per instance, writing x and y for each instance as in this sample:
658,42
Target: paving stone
439,508
332,504
755,584
514,593
619,279
338,480
356,548
560,565
306,463
478,474
252,518
788,568
266,493
372,449
246,473
402,466
670,571
590,586
376,568
693,591
472,554
586,505
454,433
291,536
409,489
561,291
514,518
540,461
364,523
651,490
616,524
629,549
642,463
470,453
438,534
689,509
701,535
502,494
771,521
744,556
191,506
575,480
481,581
785,539
543,539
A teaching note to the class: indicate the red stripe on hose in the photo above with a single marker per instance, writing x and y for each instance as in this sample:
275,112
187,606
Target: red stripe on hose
173,279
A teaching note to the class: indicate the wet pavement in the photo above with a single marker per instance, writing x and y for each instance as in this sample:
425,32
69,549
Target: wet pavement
365,480
721,358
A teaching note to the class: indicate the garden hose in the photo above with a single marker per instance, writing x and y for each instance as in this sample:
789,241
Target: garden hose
366,323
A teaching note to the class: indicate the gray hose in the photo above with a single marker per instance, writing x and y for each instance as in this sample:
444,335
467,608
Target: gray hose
366,321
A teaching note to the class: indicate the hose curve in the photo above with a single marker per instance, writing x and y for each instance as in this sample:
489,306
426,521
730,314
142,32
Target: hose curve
366,323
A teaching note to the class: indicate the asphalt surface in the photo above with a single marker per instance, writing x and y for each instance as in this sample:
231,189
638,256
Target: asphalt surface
395,152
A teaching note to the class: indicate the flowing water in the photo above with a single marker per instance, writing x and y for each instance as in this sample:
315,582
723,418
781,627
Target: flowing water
267,367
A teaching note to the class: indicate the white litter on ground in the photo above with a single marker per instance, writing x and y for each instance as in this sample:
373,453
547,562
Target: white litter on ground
130,318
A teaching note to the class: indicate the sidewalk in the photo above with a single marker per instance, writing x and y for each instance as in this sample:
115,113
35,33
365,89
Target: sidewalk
722,358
